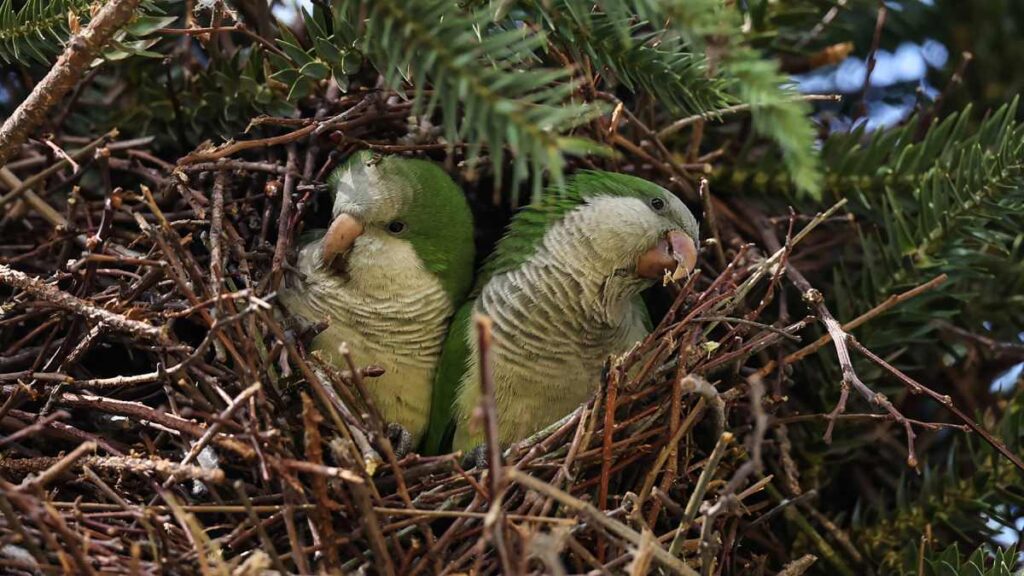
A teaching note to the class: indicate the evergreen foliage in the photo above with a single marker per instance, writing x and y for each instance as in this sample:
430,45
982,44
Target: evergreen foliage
952,202
37,30
516,95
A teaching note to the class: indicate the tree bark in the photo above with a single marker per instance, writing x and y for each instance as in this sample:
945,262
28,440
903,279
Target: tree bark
72,64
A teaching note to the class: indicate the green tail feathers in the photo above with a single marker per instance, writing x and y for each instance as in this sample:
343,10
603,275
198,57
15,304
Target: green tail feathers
450,370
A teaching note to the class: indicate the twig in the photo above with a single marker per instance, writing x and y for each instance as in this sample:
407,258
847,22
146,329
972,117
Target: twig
62,299
875,41
712,223
118,464
693,505
717,114
821,25
430,513
232,148
216,227
954,81
283,239
798,566
599,518
36,426
237,27
311,420
883,307
56,219
611,398
997,348
494,524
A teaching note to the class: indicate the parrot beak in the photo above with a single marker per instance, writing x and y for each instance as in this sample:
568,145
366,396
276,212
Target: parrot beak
339,238
676,254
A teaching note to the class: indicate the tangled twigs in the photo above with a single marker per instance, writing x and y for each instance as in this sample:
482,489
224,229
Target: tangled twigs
814,299
916,387
61,299
697,496
840,339
19,188
661,555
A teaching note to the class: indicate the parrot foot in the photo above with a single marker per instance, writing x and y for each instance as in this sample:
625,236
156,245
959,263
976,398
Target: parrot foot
475,458
400,439
305,330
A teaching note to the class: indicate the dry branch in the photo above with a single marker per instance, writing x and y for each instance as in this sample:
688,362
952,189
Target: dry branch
61,299
72,64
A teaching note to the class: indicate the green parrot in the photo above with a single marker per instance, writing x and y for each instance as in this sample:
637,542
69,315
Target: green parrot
562,290
387,275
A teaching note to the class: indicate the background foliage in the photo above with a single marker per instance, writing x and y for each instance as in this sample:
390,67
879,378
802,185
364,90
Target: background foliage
511,94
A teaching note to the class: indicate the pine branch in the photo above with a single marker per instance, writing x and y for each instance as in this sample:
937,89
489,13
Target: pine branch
482,70
950,203
38,29
80,52
640,53
778,112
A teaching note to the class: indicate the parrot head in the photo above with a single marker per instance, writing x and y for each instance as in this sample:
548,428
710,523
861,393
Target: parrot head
618,226
637,227
393,217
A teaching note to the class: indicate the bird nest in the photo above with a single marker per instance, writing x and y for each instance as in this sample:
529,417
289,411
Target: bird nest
161,415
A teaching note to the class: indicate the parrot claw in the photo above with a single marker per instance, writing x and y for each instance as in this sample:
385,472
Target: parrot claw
475,458
305,329
400,439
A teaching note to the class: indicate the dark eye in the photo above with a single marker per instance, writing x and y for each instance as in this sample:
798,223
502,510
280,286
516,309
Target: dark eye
396,226
657,203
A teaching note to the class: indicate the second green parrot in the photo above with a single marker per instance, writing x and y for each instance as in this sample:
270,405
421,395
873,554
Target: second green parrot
563,292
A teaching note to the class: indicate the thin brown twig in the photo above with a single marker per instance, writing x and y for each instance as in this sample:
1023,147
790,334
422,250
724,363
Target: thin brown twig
494,523
611,399
61,299
876,39
717,114
599,518
881,308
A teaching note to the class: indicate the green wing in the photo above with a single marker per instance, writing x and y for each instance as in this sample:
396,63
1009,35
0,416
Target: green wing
645,313
450,369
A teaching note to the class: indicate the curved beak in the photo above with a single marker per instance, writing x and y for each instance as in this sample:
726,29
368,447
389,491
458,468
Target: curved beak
339,238
675,254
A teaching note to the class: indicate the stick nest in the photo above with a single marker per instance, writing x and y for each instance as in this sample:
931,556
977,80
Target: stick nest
162,415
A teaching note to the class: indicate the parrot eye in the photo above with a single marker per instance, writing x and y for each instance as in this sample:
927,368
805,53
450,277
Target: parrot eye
396,227
657,203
